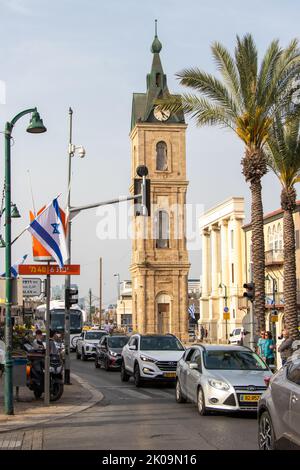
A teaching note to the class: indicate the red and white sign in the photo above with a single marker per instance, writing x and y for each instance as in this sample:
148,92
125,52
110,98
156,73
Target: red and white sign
52,269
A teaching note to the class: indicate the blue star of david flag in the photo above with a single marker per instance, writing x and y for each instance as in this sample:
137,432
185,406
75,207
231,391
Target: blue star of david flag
14,270
48,229
192,311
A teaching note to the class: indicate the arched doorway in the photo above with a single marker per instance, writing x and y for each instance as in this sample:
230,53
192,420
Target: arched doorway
163,313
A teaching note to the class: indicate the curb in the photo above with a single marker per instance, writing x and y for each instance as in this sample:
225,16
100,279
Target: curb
96,397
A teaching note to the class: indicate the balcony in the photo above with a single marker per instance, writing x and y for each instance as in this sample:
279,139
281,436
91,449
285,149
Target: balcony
273,257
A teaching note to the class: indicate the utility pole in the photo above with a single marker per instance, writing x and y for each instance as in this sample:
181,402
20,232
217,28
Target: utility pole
90,302
100,293
47,356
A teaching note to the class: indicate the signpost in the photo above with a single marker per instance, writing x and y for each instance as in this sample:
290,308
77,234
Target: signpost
226,317
32,287
49,269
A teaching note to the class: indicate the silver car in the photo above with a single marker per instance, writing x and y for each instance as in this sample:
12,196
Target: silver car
279,409
224,378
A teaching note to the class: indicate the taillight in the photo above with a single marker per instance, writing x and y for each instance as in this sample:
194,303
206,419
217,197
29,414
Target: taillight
28,369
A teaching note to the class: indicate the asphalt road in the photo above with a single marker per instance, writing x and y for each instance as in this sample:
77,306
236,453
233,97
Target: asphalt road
145,418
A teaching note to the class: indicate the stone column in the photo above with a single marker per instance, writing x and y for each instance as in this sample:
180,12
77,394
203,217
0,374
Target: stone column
224,252
215,260
206,272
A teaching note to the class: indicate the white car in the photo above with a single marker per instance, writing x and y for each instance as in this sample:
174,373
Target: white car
151,357
86,343
236,336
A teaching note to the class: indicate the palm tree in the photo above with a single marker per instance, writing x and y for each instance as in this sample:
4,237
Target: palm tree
283,156
245,100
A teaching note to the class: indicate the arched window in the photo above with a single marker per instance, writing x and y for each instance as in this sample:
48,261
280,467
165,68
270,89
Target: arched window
276,240
269,241
273,237
161,156
158,79
280,239
162,229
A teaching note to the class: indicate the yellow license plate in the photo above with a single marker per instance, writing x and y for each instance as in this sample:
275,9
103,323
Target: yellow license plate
170,374
249,397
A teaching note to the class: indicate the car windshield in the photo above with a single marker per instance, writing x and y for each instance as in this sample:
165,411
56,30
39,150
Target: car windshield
160,343
94,334
117,341
233,360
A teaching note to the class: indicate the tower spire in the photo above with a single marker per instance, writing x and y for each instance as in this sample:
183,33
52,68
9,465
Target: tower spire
156,44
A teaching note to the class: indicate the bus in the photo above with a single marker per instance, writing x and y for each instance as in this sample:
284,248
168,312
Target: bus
57,319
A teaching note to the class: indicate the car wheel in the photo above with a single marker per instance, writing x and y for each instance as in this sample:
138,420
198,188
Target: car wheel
97,365
178,393
201,402
266,437
137,376
124,376
83,356
78,355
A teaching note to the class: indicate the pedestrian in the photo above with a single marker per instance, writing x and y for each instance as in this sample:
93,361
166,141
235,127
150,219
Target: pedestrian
202,332
38,344
285,349
268,349
52,343
261,343
206,333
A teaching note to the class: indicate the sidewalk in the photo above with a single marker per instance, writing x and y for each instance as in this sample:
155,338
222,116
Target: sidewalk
31,412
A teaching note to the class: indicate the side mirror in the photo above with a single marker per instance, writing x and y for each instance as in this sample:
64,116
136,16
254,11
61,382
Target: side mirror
132,347
193,366
231,334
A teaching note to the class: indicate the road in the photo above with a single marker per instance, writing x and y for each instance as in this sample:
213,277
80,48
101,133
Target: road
144,418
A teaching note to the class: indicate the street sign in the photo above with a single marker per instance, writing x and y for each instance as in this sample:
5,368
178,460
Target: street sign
52,269
226,316
226,309
31,287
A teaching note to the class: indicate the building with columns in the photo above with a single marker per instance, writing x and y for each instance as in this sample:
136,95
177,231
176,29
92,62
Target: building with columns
160,265
223,267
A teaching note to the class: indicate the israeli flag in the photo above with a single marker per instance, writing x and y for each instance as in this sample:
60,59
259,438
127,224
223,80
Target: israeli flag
14,270
48,229
192,311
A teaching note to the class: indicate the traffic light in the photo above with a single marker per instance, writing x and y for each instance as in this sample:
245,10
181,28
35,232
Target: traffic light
250,291
144,190
69,297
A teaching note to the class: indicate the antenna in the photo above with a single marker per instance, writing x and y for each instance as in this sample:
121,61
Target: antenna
155,27
30,187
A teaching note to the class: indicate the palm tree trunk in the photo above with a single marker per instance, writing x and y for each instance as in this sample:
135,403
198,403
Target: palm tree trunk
288,203
258,253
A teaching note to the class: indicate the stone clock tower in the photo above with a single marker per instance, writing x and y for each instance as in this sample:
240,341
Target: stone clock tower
160,265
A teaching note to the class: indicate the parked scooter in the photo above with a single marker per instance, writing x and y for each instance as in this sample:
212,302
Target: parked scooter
35,373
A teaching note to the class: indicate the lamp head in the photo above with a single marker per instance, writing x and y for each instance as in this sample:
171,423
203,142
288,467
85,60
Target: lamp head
36,125
15,214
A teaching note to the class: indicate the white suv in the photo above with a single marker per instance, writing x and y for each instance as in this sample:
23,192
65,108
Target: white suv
151,357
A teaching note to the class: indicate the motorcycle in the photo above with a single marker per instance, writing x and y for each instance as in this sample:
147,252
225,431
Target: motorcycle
35,373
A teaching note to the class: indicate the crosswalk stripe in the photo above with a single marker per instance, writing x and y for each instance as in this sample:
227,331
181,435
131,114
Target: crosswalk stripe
134,394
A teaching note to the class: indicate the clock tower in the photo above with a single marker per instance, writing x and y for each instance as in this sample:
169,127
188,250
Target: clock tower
160,264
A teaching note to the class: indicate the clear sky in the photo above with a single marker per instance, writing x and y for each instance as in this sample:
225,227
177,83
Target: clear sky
92,55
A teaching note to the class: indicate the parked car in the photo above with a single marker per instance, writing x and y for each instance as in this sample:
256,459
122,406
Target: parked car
108,351
151,357
279,409
86,343
221,378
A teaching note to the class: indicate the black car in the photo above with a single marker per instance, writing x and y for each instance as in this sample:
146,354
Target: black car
108,351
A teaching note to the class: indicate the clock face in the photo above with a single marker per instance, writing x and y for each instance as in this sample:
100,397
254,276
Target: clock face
161,115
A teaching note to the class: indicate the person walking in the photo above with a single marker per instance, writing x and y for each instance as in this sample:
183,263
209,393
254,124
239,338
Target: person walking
261,344
268,349
285,349
202,332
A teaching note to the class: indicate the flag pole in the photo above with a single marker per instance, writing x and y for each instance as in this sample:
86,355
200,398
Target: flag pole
47,357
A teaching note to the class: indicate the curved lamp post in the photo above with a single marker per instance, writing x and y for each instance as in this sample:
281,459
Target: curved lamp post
36,126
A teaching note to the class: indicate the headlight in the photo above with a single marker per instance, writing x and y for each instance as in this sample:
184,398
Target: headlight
113,353
218,384
147,359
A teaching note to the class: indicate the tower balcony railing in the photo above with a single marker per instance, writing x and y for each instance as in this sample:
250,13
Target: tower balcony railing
273,257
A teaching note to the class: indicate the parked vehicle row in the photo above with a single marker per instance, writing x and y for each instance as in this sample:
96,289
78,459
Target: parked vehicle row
217,378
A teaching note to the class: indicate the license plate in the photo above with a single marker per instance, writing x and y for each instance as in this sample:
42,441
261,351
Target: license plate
170,374
249,398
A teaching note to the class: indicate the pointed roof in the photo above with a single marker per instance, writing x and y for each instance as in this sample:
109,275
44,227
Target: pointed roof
143,103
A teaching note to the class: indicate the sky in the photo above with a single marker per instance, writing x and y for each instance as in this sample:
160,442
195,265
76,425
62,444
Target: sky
92,55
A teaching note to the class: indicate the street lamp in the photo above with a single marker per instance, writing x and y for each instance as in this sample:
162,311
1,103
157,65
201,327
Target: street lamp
36,126
225,299
71,153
